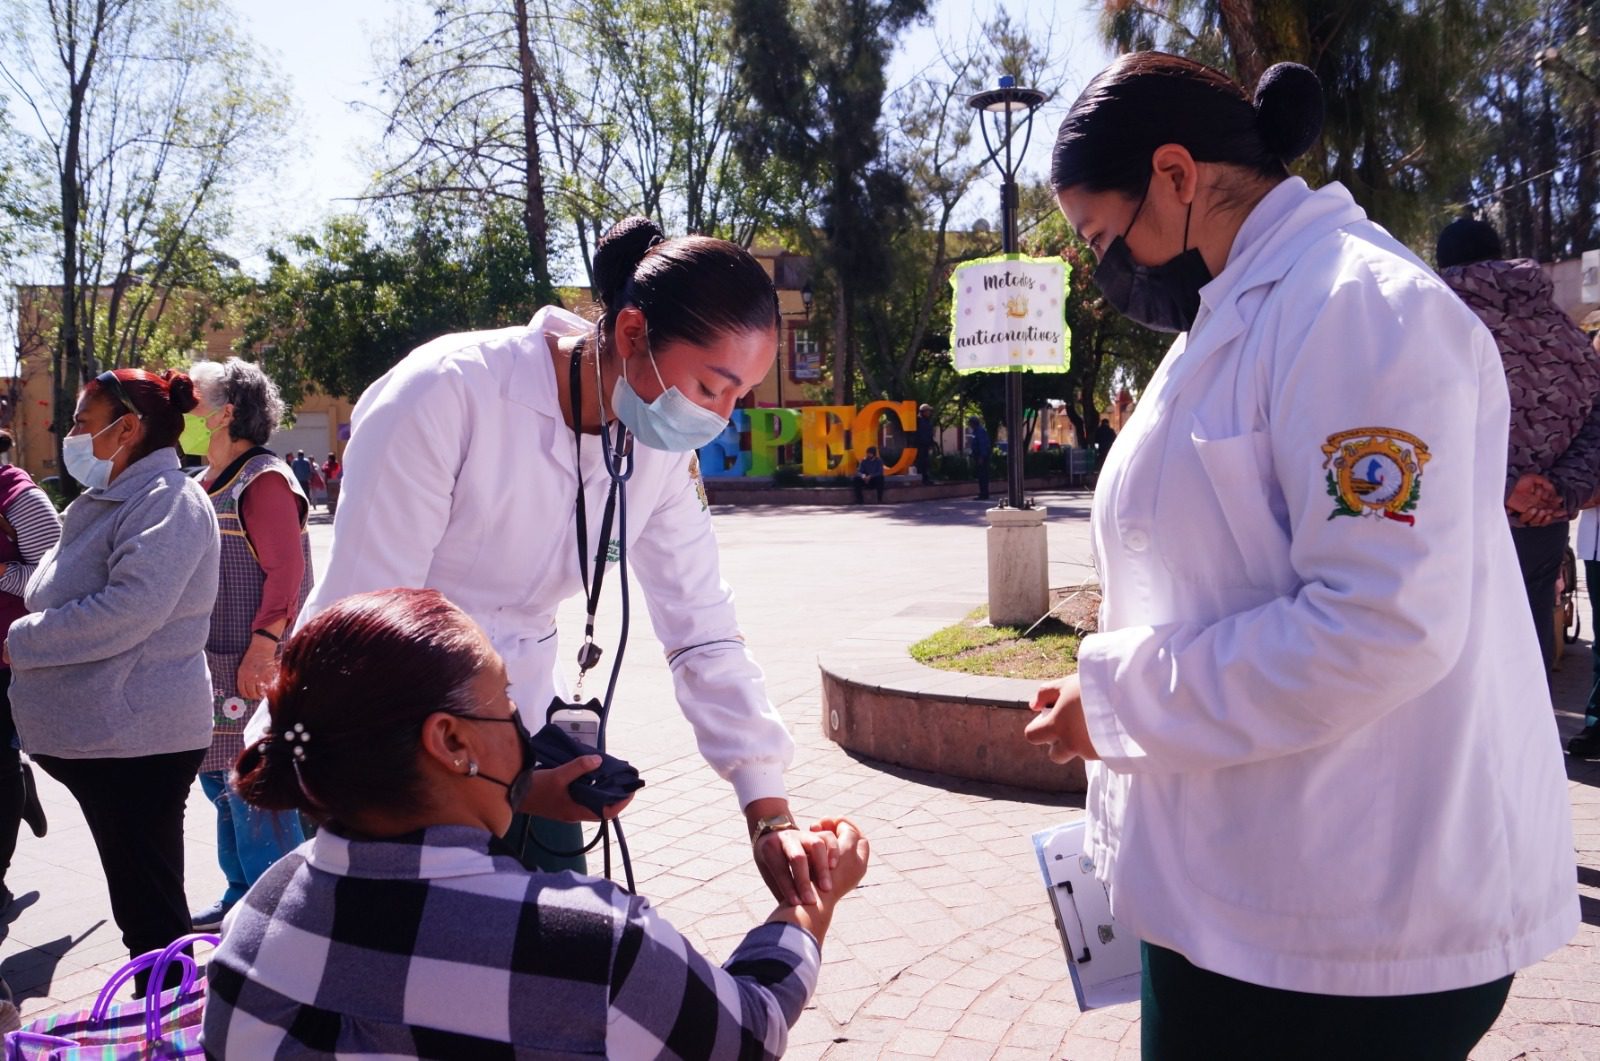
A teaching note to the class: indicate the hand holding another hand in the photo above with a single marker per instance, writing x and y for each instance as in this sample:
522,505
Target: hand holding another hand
1535,501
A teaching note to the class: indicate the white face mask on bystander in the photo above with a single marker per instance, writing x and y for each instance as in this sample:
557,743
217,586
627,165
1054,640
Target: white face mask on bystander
77,452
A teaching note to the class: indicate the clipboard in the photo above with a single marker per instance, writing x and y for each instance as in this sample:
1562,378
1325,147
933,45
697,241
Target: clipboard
1103,961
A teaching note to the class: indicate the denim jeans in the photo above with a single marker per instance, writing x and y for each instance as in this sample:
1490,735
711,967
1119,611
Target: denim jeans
248,839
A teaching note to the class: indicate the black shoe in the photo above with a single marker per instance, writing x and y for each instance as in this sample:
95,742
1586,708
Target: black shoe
32,809
1585,745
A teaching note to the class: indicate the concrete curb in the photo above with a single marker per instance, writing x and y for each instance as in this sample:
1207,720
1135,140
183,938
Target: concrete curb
878,701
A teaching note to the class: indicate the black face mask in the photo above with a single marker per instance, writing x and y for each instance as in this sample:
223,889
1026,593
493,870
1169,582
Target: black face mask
1165,297
516,787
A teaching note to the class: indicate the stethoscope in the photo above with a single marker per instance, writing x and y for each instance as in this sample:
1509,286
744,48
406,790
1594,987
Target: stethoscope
616,455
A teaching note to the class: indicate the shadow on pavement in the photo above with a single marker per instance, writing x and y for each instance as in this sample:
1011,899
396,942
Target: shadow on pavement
19,903
31,972
1580,771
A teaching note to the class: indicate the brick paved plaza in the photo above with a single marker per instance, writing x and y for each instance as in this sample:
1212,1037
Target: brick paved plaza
948,949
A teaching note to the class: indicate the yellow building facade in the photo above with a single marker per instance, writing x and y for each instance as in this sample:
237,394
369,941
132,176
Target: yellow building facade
321,423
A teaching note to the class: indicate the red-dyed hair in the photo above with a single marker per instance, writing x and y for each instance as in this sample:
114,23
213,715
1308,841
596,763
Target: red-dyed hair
359,681
161,400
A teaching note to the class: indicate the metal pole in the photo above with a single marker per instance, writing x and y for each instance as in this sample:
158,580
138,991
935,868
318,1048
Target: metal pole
1015,450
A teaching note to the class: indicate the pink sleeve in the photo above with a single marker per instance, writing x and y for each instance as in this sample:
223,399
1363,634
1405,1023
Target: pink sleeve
271,515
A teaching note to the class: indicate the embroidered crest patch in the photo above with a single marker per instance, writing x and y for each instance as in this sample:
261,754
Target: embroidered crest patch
1375,471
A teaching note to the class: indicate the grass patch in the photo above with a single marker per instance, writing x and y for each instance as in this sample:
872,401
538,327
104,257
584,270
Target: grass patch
972,646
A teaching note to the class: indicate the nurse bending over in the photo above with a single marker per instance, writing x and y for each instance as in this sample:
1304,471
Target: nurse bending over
475,461
1328,796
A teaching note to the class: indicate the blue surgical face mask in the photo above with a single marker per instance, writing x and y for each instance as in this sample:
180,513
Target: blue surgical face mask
77,452
672,422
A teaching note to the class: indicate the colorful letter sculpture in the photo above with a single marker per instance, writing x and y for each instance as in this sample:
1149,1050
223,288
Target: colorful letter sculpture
833,439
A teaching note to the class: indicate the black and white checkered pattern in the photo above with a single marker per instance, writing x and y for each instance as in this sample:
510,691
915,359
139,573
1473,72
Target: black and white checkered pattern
433,946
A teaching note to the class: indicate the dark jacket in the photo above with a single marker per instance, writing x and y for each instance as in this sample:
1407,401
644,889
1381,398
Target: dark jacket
1552,372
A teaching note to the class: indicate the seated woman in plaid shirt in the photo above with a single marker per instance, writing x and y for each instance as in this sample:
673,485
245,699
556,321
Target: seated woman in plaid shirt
401,931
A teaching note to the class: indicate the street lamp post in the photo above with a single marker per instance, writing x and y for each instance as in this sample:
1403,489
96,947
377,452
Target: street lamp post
1012,108
1019,561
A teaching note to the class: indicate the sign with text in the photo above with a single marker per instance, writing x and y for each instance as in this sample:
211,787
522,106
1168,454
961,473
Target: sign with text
1009,312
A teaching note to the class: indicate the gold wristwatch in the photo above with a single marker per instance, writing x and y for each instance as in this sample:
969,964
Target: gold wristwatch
772,823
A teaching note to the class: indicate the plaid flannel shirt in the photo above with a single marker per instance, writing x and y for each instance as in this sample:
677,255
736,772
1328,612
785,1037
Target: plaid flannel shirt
433,946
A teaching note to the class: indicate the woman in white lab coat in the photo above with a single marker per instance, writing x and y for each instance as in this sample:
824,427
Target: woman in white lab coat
463,474
1328,796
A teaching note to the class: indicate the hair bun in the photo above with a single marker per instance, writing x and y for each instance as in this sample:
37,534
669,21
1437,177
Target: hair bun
180,391
619,253
1289,110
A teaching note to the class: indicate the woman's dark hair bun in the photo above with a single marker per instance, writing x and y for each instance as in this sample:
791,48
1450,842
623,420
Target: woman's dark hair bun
180,391
1289,110
619,253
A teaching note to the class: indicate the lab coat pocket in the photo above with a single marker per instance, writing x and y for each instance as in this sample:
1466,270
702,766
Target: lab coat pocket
1239,470
1308,835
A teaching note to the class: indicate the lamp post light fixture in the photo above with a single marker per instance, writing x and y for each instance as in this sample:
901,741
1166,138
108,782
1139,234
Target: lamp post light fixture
1010,109
807,297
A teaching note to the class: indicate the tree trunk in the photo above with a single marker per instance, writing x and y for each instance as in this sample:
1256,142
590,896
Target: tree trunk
841,346
1090,415
535,218
1239,27
69,364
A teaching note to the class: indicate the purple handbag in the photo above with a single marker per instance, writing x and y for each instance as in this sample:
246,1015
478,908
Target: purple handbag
165,1024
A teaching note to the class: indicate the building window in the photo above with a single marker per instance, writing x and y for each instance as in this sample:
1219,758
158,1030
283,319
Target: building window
805,358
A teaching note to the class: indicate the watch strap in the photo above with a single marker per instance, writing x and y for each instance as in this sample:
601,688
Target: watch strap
772,823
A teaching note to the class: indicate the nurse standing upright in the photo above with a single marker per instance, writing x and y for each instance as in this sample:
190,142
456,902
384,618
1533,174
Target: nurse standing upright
1329,798
463,475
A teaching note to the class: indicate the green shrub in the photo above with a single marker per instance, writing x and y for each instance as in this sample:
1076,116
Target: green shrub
952,466
52,490
788,475
1045,462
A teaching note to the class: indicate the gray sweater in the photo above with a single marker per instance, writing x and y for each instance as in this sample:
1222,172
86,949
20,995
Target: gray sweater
111,661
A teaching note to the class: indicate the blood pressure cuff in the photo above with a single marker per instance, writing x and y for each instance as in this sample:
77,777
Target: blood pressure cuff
611,782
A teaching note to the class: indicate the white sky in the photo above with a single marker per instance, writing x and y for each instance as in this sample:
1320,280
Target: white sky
324,49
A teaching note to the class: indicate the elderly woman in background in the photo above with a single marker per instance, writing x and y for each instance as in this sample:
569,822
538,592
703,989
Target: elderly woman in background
108,673
265,577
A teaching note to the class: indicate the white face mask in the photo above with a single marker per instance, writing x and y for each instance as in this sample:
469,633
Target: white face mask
672,422
77,452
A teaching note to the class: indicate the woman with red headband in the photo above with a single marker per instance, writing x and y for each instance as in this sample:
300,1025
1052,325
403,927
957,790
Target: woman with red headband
109,684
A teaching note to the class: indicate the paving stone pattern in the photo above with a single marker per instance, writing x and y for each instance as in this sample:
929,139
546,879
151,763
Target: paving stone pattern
948,950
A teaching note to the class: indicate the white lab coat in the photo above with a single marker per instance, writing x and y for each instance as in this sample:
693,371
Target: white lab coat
460,477
1330,760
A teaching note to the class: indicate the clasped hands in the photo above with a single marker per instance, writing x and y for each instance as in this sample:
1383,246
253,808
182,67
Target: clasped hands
1535,501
